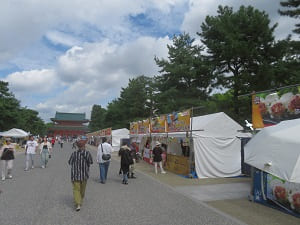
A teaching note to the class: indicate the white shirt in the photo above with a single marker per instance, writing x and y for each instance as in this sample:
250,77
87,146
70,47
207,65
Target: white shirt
31,146
107,149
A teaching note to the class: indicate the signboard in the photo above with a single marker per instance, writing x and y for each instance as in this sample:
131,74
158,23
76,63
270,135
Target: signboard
158,124
134,128
178,121
143,127
105,132
284,194
177,164
269,108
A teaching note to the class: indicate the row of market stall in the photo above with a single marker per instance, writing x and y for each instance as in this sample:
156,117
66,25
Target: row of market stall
204,146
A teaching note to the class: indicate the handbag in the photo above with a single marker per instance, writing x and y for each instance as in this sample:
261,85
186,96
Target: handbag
105,156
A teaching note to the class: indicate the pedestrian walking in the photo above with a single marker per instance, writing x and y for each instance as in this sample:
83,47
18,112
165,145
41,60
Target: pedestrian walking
157,159
53,141
7,158
45,152
126,161
30,149
80,162
61,143
134,159
103,158
74,143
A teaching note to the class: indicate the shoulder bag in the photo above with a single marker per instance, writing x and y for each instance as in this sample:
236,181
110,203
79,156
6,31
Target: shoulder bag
105,156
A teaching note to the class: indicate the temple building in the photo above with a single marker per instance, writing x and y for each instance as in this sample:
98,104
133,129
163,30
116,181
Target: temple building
68,124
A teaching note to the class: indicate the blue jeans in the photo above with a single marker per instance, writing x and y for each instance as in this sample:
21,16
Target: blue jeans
103,170
125,177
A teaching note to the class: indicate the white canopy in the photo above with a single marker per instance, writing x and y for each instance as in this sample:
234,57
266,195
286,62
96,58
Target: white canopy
14,132
276,150
217,146
117,135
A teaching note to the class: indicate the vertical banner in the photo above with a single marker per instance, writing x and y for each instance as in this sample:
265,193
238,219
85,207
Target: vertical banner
158,124
105,132
143,127
178,121
269,108
134,128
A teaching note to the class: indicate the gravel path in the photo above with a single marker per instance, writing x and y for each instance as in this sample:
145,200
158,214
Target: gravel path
44,196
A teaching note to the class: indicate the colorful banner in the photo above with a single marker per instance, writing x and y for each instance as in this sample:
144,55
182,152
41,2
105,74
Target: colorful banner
105,132
270,108
158,124
134,128
284,194
178,121
143,127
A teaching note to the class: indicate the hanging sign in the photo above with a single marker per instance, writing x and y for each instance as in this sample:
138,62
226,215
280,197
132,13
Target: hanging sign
269,108
143,126
158,124
134,128
178,121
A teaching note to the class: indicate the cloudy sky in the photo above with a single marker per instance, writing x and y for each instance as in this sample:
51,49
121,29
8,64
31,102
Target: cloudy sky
66,55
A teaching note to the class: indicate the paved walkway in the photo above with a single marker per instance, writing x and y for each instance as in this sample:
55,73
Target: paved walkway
228,195
44,196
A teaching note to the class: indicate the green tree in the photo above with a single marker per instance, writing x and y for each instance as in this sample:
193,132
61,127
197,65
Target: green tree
97,118
29,120
240,47
115,116
134,98
135,102
292,10
185,76
9,108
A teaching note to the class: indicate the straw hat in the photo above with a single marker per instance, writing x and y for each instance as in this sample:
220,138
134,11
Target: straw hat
157,143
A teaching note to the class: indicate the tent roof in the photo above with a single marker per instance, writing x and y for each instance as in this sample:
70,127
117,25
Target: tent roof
275,150
216,124
120,132
14,132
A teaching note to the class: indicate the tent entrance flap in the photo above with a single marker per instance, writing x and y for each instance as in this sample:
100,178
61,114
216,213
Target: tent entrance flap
217,157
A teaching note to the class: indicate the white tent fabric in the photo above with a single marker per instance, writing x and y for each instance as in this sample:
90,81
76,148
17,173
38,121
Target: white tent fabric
14,132
217,146
217,157
215,125
276,150
117,135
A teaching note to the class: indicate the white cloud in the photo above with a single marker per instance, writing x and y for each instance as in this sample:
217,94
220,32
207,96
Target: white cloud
60,38
24,22
95,73
34,81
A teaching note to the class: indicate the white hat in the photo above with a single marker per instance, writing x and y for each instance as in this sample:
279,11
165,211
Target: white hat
157,143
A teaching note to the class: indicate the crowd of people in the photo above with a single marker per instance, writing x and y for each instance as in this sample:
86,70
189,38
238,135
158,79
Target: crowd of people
80,161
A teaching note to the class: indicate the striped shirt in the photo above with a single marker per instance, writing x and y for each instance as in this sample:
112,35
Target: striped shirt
80,162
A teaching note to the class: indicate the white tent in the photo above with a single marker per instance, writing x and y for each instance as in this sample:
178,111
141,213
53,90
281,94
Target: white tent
117,135
217,146
276,150
14,132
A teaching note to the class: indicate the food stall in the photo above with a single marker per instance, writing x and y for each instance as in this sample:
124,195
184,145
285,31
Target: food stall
275,154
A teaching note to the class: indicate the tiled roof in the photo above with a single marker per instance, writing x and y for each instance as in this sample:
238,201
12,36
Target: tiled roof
70,116
69,128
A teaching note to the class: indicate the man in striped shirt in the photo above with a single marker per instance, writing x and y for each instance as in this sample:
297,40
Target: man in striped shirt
80,162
